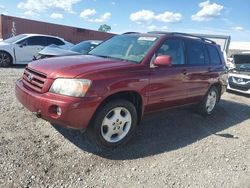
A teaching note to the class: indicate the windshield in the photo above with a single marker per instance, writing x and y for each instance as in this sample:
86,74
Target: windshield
242,62
125,47
84,47
14,39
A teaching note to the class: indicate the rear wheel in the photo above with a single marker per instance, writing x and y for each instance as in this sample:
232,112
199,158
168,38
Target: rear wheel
208,104
113,124
5,59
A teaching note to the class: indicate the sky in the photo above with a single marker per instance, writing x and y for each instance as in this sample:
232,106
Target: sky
191,16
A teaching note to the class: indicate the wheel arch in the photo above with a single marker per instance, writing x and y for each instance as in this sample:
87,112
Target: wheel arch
12,58
132,96
218,85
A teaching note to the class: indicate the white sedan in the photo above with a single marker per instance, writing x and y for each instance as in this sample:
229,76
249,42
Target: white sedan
22,49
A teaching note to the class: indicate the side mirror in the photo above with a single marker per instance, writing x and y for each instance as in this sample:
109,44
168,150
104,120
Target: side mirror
22,45
163,61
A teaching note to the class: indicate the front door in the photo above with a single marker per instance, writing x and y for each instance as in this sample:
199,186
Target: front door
27,49
168,84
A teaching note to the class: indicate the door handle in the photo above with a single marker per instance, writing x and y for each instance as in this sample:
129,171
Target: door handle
184,71
210,69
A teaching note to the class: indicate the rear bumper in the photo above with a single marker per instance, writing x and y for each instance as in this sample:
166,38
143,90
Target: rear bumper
76,113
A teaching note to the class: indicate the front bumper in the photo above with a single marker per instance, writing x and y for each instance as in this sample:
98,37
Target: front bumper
239,83
76,113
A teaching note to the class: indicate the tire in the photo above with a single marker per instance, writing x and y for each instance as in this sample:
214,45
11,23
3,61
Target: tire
113,124
5,59
208,104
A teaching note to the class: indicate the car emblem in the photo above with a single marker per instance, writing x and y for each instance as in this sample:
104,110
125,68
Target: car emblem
240,80
30,77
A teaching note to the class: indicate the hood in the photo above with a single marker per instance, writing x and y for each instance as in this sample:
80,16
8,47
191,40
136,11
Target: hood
72,66
2,43
56,51
240,71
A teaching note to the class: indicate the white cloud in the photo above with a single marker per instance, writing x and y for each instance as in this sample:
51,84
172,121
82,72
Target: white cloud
30,13
169,17
42,5
143,15
113,3
87,13
103,18
151,27
56,16
2,7
238,28
208,11
149,16
164,28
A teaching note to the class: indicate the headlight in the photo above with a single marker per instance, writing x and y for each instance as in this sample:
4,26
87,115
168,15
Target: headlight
70,87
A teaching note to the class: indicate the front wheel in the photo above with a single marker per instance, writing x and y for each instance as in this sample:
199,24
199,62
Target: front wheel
113,124
5,59
208,104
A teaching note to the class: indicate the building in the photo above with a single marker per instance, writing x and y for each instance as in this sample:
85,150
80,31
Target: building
12,25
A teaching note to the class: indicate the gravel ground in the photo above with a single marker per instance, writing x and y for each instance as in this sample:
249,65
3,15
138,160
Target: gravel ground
178,148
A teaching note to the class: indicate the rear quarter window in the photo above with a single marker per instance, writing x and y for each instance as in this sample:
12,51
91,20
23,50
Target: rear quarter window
213,55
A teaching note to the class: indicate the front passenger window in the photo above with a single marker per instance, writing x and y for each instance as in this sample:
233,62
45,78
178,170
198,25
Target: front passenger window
173,48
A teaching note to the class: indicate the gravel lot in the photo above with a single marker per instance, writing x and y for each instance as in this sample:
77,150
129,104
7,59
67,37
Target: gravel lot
178,148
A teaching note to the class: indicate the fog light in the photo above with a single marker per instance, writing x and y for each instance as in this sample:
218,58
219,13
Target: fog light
58,111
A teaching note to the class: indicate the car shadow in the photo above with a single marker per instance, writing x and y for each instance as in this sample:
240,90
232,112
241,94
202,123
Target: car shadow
238,93
168,130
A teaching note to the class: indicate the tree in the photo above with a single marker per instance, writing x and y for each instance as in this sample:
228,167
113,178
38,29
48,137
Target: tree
104,28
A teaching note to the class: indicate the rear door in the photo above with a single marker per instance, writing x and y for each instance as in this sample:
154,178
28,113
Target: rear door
198,69
167,84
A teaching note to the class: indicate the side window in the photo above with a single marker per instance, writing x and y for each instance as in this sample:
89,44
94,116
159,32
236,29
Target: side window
51,40
173,48
214,55
196,53
36,40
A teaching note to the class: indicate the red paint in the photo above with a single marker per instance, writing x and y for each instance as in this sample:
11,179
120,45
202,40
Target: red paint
159,87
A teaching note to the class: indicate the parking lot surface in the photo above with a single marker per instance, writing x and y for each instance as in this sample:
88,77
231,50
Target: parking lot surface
177,148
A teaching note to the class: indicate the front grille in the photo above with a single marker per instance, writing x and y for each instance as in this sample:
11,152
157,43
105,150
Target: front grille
34,80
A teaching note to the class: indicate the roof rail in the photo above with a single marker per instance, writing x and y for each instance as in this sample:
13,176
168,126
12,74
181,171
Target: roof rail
131,32
193,36
158,32
182,34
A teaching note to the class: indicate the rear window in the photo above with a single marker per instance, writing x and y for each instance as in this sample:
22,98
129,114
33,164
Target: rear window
196,54
51,40
214,55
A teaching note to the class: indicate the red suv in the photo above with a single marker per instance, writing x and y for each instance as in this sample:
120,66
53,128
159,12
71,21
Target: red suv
108,91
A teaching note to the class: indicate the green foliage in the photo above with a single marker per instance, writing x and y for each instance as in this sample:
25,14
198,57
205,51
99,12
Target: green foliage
104,28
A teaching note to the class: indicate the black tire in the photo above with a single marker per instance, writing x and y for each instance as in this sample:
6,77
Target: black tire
5,59
96,128
203,108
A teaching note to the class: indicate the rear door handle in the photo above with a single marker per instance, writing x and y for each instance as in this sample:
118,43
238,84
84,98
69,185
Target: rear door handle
184,71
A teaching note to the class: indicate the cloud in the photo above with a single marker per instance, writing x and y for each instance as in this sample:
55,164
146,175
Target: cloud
56,15
30,13
149,16
169,17
43,5
143,15
103,18
208,11
151,27
87,13
238,28
2,7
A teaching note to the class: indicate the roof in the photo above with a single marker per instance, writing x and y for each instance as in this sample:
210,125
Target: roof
33,34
